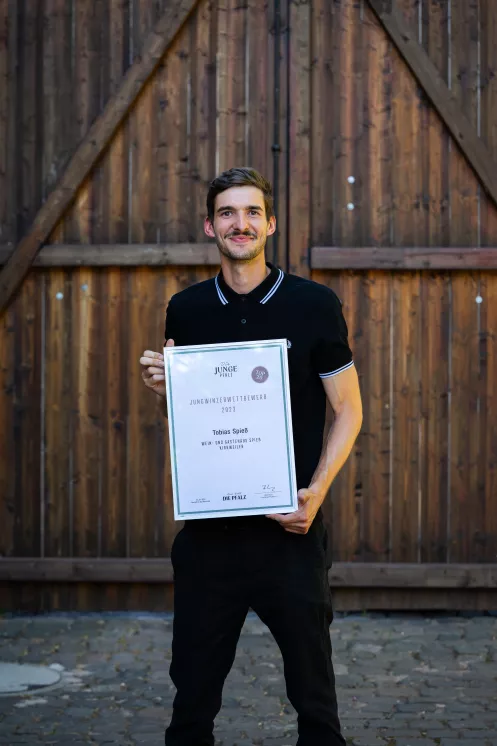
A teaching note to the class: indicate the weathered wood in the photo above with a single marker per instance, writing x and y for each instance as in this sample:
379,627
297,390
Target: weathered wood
259,88
122,255
203,114
93,146
322,257
464,511
5,108
374,344
299,145
114,306
407,229
444,101
435,306
159,570
58,404
487,465
402,258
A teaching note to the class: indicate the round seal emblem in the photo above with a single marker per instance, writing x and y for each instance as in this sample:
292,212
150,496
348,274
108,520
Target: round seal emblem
260,374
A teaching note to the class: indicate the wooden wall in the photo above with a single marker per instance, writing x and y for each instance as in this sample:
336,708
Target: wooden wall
365,161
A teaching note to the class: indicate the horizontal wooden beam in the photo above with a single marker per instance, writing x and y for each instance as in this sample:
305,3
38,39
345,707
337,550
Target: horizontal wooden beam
322,257
85,570
371,257
341,575
122,255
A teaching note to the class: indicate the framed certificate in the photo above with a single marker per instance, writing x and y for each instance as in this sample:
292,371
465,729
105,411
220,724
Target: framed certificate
230,429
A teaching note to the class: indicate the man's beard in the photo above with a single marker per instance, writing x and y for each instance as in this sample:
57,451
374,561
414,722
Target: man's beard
252,251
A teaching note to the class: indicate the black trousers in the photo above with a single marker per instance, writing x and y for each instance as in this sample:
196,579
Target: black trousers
223,568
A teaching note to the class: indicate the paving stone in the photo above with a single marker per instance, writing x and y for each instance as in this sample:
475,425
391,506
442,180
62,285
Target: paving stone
399,682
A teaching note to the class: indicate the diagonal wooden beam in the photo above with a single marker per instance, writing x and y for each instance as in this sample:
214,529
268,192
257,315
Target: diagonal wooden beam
93,145
475,150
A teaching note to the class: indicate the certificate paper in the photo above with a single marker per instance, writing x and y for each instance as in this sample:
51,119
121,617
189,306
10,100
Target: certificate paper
230,429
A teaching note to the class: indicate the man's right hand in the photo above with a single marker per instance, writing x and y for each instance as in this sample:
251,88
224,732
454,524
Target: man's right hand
153,370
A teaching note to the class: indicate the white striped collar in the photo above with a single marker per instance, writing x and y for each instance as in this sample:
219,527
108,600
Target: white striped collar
262,293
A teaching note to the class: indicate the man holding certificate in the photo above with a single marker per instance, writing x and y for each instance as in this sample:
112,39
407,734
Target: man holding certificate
251,357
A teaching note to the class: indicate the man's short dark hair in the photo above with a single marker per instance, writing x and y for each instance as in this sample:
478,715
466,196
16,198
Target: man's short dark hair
239,177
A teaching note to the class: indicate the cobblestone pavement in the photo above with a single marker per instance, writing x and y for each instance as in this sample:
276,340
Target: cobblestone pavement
402,680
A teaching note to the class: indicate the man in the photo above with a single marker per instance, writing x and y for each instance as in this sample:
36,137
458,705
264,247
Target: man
275,565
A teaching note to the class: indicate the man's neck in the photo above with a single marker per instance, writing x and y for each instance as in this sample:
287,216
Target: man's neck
243,277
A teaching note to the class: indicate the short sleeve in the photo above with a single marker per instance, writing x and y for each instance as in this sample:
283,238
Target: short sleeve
331,352
171,328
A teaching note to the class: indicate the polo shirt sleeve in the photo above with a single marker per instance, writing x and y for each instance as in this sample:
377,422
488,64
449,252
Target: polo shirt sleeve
172,322
331,352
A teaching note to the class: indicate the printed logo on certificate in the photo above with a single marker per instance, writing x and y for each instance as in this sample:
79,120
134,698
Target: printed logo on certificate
230,429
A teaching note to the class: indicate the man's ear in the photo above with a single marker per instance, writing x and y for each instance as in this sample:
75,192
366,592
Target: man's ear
209,230
271,228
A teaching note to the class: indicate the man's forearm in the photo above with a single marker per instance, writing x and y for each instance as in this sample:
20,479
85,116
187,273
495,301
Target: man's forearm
336,450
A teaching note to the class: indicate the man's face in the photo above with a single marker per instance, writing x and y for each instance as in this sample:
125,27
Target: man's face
240,226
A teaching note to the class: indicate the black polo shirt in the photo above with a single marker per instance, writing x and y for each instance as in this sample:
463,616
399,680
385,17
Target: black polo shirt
283,306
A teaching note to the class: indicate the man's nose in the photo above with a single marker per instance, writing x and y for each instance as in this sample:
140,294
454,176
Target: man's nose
241,222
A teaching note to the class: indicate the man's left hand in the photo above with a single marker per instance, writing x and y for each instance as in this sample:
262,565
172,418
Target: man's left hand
301,520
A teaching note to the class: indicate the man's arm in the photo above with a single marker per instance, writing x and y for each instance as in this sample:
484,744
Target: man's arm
344,396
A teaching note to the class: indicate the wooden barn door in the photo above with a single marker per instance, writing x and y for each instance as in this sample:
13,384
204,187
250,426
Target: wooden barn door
376,122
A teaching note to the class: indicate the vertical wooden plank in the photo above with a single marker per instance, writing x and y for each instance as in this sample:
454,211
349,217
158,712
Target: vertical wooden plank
145,331
58,407
258,88
343,126
278,168
435,309
7,442
5,22
59,136
486,549
325,77
86,299
231,104
407,231
347,123
8,112
203,112
373,352
299,147
27,302
466,513
115,303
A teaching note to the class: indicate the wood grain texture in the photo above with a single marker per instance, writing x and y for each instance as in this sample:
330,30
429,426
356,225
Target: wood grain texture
7,441
58,486
324,76
203,115
487,461
435,303
465,511
299,145
455,117
349,133
85,225
278,112
377,210
259,87
5,103
342,574
407,230
232,107
114,302
92,146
